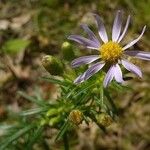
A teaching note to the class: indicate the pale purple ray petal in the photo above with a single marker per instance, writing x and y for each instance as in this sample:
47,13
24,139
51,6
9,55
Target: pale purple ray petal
101,29
116,30
79,79
118,73
84,41
93,69
109,76
84,60
139,54
125,29
131,67
90,34
134,41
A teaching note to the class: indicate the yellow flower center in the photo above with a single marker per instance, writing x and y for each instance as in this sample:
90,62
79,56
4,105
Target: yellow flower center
110,52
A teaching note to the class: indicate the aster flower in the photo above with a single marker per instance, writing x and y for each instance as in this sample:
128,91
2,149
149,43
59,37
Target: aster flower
111,53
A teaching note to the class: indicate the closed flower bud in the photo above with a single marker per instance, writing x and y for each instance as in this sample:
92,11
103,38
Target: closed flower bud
52,65
43,121
76,116
104,119
53,111
95,90
67,51
53,121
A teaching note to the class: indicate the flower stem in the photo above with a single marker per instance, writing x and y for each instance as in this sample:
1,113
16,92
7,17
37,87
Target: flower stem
66,142
102,97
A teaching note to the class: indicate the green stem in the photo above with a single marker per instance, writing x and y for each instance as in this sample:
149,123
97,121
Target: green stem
66,142
111,101
102,97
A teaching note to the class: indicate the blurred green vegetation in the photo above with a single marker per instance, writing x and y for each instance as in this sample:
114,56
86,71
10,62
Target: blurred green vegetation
32,28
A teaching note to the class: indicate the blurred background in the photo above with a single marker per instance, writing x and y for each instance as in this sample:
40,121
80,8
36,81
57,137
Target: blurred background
30,29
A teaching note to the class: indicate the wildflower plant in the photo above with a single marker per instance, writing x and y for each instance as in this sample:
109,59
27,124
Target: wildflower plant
88,102
111,53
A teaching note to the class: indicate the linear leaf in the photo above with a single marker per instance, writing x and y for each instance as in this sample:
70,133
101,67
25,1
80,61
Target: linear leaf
15,136
84,89
62,130
35,137
33,111
110,101
32,99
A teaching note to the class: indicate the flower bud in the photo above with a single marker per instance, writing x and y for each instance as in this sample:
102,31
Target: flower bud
67,51
53,111
104,119
76,116
95,90
53,121
43,122
52,65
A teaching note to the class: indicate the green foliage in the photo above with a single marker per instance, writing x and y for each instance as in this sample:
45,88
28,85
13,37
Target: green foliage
56,115
90,98
14,46
15,136
62,131
36,100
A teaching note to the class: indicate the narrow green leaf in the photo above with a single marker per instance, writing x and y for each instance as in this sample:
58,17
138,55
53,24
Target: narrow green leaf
62,130
84,89
97,100
15,136
119,87
5,129
34,111
83,99
71,92
35,137
32,99
114,109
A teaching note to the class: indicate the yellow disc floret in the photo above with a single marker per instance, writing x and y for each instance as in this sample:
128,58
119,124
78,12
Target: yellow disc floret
110,52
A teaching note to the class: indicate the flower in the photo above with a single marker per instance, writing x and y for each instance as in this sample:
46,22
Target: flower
104,119
76,116
111,53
